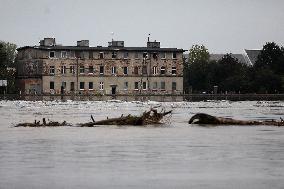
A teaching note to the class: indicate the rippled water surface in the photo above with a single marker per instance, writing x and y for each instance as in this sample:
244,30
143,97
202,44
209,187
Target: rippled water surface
175,155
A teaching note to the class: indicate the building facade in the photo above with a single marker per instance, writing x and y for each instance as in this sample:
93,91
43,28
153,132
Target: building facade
116,69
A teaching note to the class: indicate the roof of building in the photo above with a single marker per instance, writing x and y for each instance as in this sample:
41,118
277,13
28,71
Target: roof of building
252,55
241,58
80,48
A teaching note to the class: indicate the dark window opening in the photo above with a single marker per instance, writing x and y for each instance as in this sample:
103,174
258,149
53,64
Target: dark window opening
114,55
163,70
82,85
51,85
101,56
91,69
101,70
174,55
125,70
91,85
155,55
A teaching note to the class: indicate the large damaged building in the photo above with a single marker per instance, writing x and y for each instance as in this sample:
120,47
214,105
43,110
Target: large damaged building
116,69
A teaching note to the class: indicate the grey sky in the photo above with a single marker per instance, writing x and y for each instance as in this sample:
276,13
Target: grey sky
221,25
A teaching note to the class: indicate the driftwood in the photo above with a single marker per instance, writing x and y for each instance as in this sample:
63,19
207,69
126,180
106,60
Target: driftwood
202,118
150,117
43,124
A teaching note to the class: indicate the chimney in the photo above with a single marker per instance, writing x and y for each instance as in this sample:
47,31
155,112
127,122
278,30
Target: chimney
83,43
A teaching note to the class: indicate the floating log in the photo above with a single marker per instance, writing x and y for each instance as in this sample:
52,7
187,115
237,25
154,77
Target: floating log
150,117
43,124
202,118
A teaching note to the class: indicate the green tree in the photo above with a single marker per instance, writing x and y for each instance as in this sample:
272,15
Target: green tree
196,68
268,71
7,64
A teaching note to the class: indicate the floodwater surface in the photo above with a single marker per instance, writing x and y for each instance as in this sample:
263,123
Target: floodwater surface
174,155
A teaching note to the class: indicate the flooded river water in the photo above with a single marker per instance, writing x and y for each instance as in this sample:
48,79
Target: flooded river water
175,155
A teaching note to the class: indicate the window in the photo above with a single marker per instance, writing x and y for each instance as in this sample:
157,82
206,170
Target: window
91,55
101,85
163,85
144,85
101,55
72,86
174,86
91,69
51,70
125,55
136,85
163,55
125,86
145,55
51,54
101,70
82,70
136,56
72,70
114,55
163,70
144,70
174,55
155,55
155,86
113,70
63,54
51,85
174,70
63,85
154,70
136,70
63,69
91,86
125,70
82,85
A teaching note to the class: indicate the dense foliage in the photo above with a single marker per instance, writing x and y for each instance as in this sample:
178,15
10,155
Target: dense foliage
231,76
7,65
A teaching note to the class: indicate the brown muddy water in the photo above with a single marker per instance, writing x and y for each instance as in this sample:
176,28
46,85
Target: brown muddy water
175,155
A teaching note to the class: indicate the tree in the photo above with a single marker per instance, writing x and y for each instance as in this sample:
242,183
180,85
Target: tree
195,71
268,71
271,57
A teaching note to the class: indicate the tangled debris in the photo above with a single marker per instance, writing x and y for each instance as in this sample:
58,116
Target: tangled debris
150,117
43,124
202,118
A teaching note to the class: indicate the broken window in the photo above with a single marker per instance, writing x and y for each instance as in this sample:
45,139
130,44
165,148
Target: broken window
144,70
82,85
163,70
52,70
145,55
125,55
163,55
101,70
101,55
82,70
125,70
51,85
174,55
163,85
136,70
72,70
91,69
125,86
114,54
101,85
63,54
63,84
136,85
174,70
155,55
72,86
144,85
51,54
113,70
91,86
174,86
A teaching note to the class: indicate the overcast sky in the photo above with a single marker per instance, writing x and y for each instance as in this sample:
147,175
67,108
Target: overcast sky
221,25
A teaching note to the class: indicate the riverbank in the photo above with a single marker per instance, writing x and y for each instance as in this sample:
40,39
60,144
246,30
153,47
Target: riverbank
143,97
